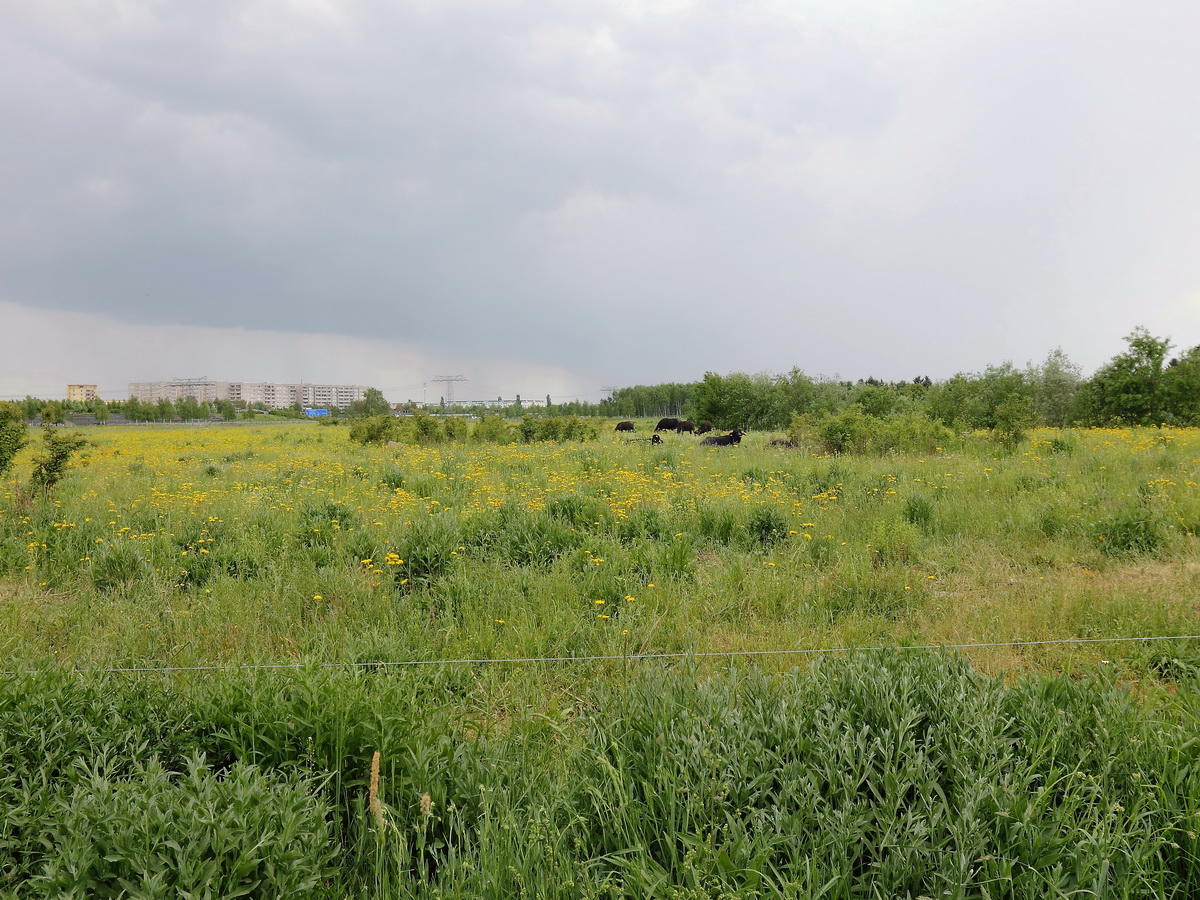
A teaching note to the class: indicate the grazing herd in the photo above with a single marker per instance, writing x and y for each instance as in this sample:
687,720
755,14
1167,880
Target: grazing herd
680,426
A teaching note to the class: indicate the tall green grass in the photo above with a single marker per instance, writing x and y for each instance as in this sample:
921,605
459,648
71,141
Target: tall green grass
897,774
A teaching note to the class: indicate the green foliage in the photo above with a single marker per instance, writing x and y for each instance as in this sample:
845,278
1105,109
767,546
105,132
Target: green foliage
853,431
492,430
1132,531
427,550
243,833
1014,416
804,782
51,465
375,430
918,510
13,434
1129,389
556,428
767,526
118,567
1181,388
373,403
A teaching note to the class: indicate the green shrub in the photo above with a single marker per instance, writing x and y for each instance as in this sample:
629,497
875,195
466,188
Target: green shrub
375,430
492,430
13,434
853,431
51,465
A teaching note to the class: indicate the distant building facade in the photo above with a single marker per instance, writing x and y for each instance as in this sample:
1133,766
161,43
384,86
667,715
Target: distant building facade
81,393
274,395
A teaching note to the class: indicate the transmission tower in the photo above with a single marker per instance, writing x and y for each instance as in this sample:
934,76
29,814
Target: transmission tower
608,390
449,382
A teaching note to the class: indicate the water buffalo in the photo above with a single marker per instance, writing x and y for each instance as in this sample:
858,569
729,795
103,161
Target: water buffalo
723,440
667,425
624,426
685,425
704,427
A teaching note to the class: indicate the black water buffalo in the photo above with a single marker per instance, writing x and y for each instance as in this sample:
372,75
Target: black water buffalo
685,425
704,427
723,440
624,426
667,425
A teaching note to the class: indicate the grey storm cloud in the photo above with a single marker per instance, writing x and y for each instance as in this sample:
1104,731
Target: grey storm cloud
649,189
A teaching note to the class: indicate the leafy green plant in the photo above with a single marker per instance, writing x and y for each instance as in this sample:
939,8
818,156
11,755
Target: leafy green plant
51,465
12,434
766,526
241,833
1132,531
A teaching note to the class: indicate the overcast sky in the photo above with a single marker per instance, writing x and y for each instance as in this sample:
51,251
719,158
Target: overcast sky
551,197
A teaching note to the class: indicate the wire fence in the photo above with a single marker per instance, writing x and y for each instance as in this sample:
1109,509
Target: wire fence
629,657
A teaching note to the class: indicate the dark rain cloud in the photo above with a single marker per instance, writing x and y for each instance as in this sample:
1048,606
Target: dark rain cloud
652,189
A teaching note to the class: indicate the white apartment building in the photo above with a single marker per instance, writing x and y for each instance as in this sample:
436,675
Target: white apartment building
275,395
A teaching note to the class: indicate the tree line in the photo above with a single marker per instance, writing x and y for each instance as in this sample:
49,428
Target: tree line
1143,385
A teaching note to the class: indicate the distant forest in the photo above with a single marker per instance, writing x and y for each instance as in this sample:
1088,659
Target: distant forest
1143,385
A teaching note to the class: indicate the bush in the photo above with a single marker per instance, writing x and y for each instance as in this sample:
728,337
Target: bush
556,428
492,430
375,430
49,468
852,431
12,434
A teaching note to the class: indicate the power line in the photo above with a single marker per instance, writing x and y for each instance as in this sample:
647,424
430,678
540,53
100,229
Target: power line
631,657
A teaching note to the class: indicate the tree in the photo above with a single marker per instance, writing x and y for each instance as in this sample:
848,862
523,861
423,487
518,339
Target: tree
1129,389
51,465
1181,388
12,434
52,413
187,408
373,403
1056,384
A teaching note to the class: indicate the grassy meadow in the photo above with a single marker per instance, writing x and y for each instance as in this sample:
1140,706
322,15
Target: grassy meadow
1030,770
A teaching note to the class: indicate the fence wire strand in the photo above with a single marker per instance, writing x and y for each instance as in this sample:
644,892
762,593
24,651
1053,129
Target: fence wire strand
630,657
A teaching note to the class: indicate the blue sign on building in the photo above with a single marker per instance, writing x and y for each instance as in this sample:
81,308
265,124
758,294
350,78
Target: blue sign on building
315,413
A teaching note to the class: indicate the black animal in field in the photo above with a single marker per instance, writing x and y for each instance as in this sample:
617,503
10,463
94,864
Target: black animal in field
704,427
671,424
624,426
782,443
723,440
685,425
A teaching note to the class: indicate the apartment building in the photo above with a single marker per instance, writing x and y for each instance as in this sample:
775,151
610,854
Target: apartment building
274,395
81,393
